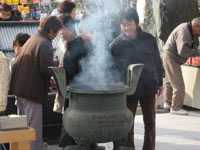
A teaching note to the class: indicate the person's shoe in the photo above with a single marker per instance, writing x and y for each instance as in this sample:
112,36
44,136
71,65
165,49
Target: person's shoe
166,106
179,112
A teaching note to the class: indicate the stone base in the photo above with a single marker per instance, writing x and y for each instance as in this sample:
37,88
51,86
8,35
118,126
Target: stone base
76,147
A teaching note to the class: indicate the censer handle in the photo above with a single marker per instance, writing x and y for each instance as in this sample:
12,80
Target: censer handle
60,79
133,74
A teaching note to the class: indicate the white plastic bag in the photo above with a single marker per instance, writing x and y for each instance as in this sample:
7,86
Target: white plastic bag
108,145
4,81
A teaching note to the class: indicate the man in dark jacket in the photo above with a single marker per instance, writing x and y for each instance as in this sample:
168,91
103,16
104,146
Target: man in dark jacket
136,46
30,75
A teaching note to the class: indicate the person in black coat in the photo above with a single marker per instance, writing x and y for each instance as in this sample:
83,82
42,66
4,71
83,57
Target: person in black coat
77,49
136,46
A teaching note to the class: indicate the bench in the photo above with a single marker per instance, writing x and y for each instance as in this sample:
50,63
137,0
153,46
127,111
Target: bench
19,139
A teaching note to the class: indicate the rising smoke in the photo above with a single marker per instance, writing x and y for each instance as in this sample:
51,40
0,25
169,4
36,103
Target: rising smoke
97,67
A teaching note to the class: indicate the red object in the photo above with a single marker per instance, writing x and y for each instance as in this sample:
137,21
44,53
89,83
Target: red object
26,20
36,1
193,61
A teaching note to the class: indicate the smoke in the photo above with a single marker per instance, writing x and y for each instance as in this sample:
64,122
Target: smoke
97,67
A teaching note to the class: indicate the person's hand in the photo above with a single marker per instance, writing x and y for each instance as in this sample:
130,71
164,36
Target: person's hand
52,85
56,61
61,65
160,89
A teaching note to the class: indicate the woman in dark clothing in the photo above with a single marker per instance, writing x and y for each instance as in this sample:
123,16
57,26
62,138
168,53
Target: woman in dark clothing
77,49
68,7
136,46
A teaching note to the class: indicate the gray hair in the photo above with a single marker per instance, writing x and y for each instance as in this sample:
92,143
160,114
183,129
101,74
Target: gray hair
196,21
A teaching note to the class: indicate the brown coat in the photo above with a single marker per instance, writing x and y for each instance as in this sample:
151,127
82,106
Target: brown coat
30,74
179,44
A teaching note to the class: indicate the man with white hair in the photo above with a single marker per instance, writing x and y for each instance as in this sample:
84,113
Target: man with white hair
178,48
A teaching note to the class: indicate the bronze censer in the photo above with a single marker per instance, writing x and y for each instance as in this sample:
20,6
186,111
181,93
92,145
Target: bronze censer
97,115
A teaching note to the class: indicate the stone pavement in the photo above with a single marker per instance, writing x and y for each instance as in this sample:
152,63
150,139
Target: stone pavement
173,132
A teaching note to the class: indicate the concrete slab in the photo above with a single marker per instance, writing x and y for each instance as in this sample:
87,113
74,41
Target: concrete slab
173,132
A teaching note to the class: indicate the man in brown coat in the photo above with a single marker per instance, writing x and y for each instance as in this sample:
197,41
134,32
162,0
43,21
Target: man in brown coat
30,75
178,48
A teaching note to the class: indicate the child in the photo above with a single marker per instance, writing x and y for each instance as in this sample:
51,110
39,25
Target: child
5,12
19,41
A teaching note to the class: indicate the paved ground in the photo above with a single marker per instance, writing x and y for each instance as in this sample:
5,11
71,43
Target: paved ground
173,132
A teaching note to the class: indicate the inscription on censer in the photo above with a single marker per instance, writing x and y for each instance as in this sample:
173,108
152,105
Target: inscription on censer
101,121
